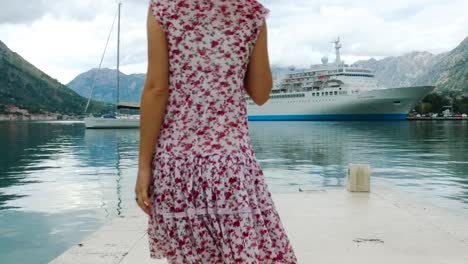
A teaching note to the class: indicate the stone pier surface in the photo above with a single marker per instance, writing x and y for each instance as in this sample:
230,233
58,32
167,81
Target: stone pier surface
325,226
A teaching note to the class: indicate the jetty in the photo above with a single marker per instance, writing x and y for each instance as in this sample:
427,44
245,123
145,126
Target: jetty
437,118
325,226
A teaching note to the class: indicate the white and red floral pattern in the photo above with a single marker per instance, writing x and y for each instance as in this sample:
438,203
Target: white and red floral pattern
211,201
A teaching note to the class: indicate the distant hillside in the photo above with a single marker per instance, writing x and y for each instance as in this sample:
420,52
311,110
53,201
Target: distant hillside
448,71
27,87
106,85
402,70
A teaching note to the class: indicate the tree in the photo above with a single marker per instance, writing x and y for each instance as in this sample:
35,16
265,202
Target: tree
434,102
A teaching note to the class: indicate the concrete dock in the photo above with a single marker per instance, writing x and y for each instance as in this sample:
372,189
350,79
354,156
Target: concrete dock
326,226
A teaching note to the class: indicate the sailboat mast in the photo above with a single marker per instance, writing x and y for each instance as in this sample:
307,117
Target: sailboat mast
100,65
118,58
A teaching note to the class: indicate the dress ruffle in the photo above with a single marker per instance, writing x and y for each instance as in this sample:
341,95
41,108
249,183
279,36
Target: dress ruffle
211,209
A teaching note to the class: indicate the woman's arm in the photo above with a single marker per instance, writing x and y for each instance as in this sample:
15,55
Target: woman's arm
154,100
258,80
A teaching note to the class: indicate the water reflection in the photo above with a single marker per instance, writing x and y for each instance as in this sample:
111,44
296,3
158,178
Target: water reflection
427,158
66,180
62,181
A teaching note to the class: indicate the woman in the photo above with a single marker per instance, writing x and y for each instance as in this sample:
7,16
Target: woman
198,179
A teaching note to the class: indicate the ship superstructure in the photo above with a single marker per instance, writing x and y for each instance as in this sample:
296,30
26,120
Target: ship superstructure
335,91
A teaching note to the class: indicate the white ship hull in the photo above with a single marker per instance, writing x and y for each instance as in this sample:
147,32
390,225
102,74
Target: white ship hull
98,122
378,104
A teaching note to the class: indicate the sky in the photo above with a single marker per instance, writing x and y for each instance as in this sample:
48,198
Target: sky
67,37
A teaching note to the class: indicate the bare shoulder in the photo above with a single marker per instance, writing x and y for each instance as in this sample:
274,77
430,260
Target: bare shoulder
158,58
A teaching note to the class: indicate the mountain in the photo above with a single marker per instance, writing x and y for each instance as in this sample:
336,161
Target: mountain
24,86
402,70
105,87
448,71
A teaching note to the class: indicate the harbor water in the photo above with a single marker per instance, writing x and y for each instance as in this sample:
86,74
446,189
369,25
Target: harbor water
60,182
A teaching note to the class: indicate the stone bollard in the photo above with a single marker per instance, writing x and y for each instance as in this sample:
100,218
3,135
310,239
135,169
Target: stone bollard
358,177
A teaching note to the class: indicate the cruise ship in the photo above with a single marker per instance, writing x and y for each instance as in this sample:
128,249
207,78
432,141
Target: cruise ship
335,91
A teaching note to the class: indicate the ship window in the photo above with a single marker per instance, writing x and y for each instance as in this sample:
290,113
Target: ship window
335,92
396,102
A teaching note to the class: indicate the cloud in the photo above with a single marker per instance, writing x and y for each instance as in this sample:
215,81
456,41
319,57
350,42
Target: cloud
67,37
378,29
27,11
21,11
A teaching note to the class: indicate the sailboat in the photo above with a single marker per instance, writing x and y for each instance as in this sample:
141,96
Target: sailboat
117,120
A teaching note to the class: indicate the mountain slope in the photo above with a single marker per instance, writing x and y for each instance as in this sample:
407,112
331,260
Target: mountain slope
106,82
402,70
27,87
448,71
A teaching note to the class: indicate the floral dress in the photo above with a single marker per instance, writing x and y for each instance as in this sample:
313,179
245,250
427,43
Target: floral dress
211,201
